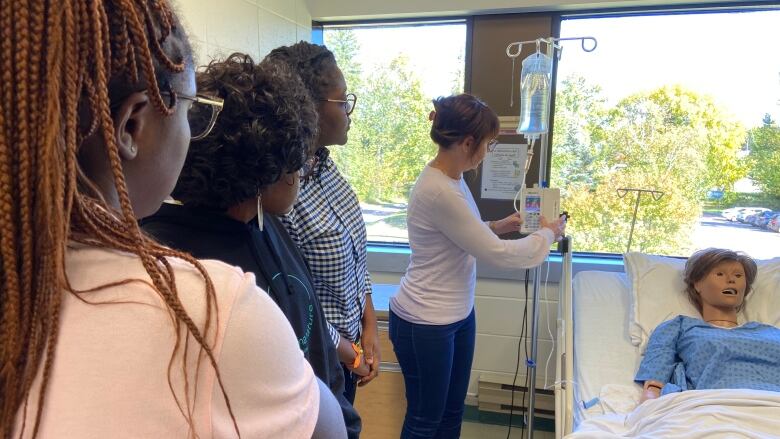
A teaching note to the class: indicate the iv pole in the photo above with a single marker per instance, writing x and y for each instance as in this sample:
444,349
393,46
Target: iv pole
531,362
622,193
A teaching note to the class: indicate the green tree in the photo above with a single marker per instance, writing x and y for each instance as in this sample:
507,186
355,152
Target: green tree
671,140
579,109
458,77
389,143
388,139
712,133
345,47
764,156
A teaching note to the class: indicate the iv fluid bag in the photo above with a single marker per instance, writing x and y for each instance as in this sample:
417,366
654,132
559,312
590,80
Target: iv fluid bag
535,79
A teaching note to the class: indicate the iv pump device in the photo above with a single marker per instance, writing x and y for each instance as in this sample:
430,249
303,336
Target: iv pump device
536,202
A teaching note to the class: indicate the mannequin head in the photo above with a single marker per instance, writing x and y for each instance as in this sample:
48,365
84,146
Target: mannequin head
719,279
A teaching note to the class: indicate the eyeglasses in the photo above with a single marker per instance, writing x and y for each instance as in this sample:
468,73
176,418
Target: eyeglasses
492,145
202,115
348,103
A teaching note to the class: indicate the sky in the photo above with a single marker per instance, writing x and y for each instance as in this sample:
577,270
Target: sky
435,52
733,57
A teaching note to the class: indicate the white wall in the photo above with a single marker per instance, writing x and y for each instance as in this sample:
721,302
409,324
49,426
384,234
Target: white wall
331,10
218,28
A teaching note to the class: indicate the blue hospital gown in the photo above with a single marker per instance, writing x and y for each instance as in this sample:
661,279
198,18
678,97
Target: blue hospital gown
689,353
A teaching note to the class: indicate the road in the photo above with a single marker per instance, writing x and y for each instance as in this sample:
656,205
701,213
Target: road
715,231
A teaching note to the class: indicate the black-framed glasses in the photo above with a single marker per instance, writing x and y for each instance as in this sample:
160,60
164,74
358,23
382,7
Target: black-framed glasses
492,145
348,102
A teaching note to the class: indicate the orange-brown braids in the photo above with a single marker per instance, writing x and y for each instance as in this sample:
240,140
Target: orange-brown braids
61,62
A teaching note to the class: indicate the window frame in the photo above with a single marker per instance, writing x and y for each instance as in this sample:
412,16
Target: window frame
606,259
318,37
638,11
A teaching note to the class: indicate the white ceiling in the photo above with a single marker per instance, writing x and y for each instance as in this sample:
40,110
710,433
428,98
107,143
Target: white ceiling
337,10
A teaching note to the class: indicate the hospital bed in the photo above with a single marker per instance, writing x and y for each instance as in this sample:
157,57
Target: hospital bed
598,314
597,358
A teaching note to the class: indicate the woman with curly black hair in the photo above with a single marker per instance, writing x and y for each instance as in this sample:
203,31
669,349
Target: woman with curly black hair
236,179
327,222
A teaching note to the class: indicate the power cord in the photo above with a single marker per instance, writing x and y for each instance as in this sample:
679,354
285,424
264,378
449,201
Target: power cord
517,365
528,364
526,165
549,328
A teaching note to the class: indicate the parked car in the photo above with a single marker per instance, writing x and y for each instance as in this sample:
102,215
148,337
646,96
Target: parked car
744,213
731,213
774,223
755,218
762,219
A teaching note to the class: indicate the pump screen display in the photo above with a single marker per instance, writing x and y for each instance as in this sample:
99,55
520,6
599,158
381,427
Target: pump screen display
533,203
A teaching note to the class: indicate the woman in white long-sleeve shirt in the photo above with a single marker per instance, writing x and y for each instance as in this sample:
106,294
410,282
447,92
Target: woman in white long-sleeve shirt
432,323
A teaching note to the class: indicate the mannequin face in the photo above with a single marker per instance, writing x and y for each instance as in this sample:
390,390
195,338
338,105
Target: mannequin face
723,287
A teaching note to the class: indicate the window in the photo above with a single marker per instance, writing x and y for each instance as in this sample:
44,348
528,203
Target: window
395,71
686,105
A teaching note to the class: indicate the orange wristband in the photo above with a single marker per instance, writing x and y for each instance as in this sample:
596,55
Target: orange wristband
358,357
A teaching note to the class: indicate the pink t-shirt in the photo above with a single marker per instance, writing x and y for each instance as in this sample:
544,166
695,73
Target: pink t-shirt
110,372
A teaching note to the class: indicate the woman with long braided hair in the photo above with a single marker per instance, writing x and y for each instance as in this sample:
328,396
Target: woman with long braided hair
103,332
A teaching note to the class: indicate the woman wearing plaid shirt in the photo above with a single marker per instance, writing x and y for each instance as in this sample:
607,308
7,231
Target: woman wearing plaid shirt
327,223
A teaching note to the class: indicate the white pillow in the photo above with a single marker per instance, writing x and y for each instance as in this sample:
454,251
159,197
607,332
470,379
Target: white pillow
658,294
763,304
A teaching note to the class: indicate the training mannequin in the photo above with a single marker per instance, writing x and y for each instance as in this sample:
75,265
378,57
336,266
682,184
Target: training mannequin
714,352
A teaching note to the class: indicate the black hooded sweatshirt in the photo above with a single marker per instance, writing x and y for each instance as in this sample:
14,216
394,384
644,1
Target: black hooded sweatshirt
280,270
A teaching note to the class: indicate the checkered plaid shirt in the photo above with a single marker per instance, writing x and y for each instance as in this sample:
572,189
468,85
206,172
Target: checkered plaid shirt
327,225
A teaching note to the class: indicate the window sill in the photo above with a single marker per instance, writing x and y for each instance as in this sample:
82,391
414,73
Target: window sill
394,258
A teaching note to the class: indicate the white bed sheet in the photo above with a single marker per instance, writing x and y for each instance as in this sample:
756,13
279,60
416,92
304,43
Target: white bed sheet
604,358
693,414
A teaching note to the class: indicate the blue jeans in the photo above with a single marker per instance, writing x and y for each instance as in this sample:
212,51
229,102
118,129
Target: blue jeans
436,364
350,385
